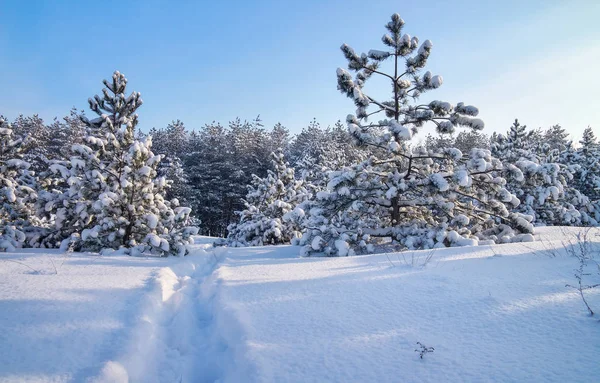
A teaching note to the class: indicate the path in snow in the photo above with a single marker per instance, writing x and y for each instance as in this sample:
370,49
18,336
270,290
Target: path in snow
88,318
179,338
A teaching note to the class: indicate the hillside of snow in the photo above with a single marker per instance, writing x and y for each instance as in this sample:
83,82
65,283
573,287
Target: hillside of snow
492,313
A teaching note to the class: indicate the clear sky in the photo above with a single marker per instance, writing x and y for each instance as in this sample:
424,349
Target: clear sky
200,61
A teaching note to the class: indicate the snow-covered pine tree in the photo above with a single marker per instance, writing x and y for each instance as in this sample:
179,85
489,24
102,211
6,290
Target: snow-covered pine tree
556,137
17,191
589,142
39,136
215,183
278,139
316,151
47,142
417,198
584,163
517,141
517,134
220,164
113,197
465,141
538,180
270,216
173,144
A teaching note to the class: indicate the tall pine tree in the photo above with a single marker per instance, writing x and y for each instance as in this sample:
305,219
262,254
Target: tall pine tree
418,198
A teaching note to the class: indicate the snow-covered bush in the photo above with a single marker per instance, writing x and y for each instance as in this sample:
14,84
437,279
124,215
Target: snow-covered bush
415,197
108,194
271,216
17,191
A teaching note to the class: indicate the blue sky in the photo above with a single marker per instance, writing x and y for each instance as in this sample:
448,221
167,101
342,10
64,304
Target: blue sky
202,61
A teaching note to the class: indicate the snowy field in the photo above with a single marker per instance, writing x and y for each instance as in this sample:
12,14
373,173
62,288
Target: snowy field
492,313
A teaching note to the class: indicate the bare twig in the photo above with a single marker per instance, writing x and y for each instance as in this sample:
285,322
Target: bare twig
582,250
24,264
389,260
422,350
53,265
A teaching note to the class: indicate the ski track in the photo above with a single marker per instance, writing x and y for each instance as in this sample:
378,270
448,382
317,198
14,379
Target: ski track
180,337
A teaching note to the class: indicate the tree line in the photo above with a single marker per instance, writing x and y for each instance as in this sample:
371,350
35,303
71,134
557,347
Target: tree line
100,183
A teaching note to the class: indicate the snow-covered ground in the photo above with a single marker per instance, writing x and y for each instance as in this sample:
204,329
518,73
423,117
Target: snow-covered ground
492,313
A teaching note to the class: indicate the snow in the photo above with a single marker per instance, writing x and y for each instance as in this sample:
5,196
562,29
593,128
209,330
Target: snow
264,314
400,130
443,106
63,315
469,110
152,221
145,170
316,242
440,182
378,55
427,44
436,81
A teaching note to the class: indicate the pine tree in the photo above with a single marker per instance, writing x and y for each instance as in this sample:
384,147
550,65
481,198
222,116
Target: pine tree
270,216
38,138
317,151
220,164
216,184
113,197
278,139
584,163
173,144
589,142
465,141
17,191
517,134
556,138
48,142
537,179
420,199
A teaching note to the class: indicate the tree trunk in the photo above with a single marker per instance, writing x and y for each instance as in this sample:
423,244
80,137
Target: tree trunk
395,211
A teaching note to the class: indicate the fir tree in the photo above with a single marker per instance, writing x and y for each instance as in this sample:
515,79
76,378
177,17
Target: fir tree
216,184
48,142
317,151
